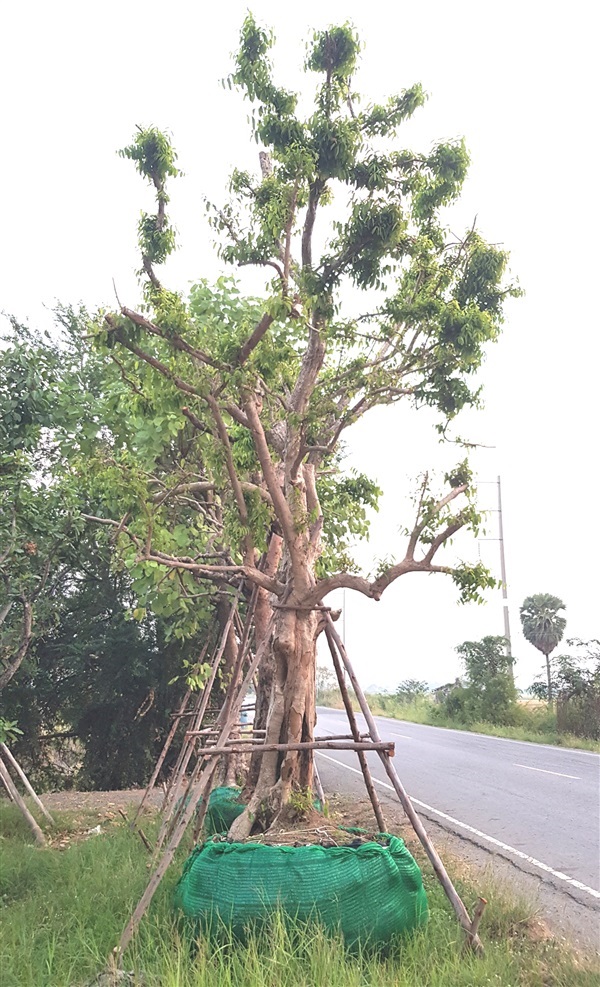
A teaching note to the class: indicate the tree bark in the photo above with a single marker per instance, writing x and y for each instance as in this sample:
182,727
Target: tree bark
549,675
291,719
262,616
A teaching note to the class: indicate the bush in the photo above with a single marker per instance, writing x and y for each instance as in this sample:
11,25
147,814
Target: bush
494,703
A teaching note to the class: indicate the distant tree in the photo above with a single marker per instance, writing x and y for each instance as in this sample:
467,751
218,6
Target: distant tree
543,627
485,658
410,689
490,694
325,681
576,688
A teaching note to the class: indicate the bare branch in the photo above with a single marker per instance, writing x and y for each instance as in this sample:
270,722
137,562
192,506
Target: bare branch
174,339
280,505
238,493
151,360
199,425
218,573
197,486
253,340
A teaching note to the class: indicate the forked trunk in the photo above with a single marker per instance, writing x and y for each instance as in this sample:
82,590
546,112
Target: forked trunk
291,719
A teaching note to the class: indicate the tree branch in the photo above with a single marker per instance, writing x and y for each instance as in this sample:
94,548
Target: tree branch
26,634
280,505
174,339
248,543
253,340
315,193
151,360
218,573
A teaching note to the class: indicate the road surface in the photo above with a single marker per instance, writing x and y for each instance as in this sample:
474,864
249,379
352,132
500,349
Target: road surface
535,805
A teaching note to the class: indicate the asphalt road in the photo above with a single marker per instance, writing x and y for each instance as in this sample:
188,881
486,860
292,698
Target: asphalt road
535,805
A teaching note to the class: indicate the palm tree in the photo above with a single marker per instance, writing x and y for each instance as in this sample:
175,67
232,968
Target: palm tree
542,626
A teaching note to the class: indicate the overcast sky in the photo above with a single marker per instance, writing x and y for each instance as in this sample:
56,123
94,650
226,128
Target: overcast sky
517,81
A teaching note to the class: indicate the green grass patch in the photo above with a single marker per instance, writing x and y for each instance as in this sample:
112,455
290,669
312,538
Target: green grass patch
62,912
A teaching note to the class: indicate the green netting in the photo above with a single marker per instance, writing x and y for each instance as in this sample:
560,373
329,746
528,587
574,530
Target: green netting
223,807
369,892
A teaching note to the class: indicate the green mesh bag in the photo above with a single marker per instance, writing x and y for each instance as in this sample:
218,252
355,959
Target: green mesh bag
223,807
369,892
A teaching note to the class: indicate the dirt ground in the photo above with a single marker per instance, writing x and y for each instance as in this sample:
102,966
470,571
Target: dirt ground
99,802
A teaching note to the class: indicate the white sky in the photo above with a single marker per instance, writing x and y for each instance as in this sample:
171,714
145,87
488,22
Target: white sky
517,81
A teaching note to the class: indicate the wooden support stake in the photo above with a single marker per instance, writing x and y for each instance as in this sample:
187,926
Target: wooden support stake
177,769
200,789
479,910
362,758
26,782
14,796
436,862
313,745
171,801
163,753
318,785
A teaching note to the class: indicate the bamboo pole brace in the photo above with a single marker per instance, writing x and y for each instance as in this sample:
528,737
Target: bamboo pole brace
203,806
171,820
314,745
200,788
434,858
366,771
256,740
212,731
26,782
182,750
8,783
169,823
477,914
171,802
196,705
176,720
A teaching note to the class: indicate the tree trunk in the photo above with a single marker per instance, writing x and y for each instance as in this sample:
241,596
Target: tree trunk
291,719
549,674
262,616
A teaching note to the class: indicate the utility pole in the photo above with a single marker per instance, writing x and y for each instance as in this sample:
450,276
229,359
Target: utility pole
500,539
503,571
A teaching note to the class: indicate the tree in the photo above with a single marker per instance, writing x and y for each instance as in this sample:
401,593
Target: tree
261,390
490,694
575,679
543,627
81,653
485,658
40,515
325,682
411,689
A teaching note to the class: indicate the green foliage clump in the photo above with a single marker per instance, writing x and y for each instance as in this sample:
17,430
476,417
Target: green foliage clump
575,683
490,694
410,689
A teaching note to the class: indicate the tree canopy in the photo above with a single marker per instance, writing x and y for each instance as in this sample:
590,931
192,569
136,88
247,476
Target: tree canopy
210,446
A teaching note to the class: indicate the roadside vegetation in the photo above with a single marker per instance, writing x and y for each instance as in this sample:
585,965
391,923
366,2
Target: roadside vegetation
486,701
63,908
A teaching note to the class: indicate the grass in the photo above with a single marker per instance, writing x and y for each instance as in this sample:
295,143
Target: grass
62,912
534,724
